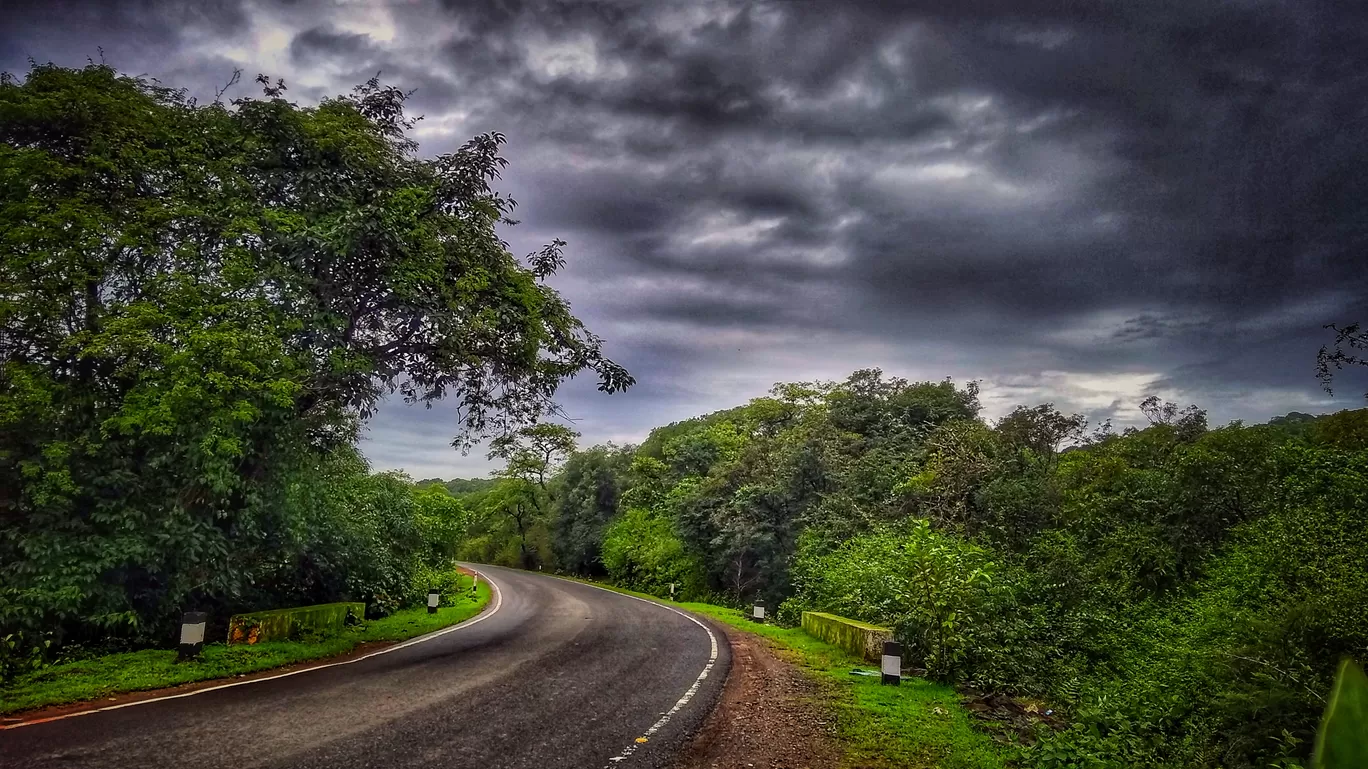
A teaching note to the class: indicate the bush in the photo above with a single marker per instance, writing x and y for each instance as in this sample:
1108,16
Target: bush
1235,674
449,582
641,551
933,588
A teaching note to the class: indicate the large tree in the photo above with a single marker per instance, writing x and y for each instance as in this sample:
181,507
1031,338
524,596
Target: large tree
585,500
198,300
531,454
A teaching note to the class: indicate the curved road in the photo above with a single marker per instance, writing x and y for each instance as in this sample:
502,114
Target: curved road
558,674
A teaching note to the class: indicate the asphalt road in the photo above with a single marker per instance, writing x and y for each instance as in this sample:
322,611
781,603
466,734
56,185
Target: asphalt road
559,675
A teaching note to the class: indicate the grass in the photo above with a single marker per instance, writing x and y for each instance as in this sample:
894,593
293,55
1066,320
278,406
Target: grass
919,724
100,677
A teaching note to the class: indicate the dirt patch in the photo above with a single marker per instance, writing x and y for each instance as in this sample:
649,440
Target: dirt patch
1010,720
769,716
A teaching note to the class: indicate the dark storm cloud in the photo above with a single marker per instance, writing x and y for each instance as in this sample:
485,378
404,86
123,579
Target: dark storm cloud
320,44
1074,202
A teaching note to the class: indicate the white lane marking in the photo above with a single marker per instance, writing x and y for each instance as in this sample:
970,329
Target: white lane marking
617,760
498,603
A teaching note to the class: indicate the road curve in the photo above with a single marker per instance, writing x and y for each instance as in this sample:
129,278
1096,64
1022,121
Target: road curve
560,675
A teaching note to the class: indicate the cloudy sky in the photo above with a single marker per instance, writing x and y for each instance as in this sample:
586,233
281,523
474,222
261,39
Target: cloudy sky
1070,201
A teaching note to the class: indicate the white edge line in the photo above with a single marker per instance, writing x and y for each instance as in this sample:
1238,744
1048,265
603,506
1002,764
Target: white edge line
482,616
617,760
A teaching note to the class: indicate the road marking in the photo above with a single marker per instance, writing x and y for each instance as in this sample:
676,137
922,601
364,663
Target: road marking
498,603
617,760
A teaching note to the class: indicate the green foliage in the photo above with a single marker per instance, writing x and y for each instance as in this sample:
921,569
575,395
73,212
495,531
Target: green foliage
463,486
1179,595
199,306
442,523
1343,738
641,551
519,506
1346,430
92,677
451,585
918,725
934,589
585,498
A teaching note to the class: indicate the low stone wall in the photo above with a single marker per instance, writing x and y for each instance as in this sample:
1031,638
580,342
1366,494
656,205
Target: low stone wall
279,624
859,638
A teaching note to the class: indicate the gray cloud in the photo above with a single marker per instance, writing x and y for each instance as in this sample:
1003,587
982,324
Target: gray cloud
1071,202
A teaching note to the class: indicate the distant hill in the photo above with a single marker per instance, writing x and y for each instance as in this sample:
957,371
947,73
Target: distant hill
461,485
1292,417
469,485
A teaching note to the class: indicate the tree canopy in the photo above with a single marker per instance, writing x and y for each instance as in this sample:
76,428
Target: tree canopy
200,303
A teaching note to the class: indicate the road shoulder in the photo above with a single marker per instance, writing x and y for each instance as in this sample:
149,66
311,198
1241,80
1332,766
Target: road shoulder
28,701
769,715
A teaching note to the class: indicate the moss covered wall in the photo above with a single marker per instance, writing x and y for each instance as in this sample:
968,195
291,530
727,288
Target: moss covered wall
859,638
279,624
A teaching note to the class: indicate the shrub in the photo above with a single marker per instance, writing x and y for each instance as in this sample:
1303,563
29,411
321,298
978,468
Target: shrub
641,551
932,587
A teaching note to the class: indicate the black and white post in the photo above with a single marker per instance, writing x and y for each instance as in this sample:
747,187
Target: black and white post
892,663
434,598
672,591
192,634
758,612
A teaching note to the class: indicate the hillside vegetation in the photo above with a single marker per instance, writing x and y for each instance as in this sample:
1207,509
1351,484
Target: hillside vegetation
1181,594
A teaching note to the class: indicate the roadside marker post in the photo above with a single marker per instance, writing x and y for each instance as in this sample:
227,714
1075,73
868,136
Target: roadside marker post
892,664
192,634
758,612
672,591
434,598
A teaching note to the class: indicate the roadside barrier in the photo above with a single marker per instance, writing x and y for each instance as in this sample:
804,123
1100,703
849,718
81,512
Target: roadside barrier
279,624
859,638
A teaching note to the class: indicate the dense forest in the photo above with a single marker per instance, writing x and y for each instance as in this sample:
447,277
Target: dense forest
1183,594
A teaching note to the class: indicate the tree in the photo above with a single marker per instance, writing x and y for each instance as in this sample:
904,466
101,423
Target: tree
1042,429
1188,424
585,499
197,301
531,455
443,521
1347,340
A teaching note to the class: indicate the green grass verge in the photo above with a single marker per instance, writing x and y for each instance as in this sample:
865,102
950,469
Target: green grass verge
919,724
103,676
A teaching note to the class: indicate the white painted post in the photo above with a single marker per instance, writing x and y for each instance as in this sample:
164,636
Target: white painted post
192,634
758,612
434,598
892,664
672,591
